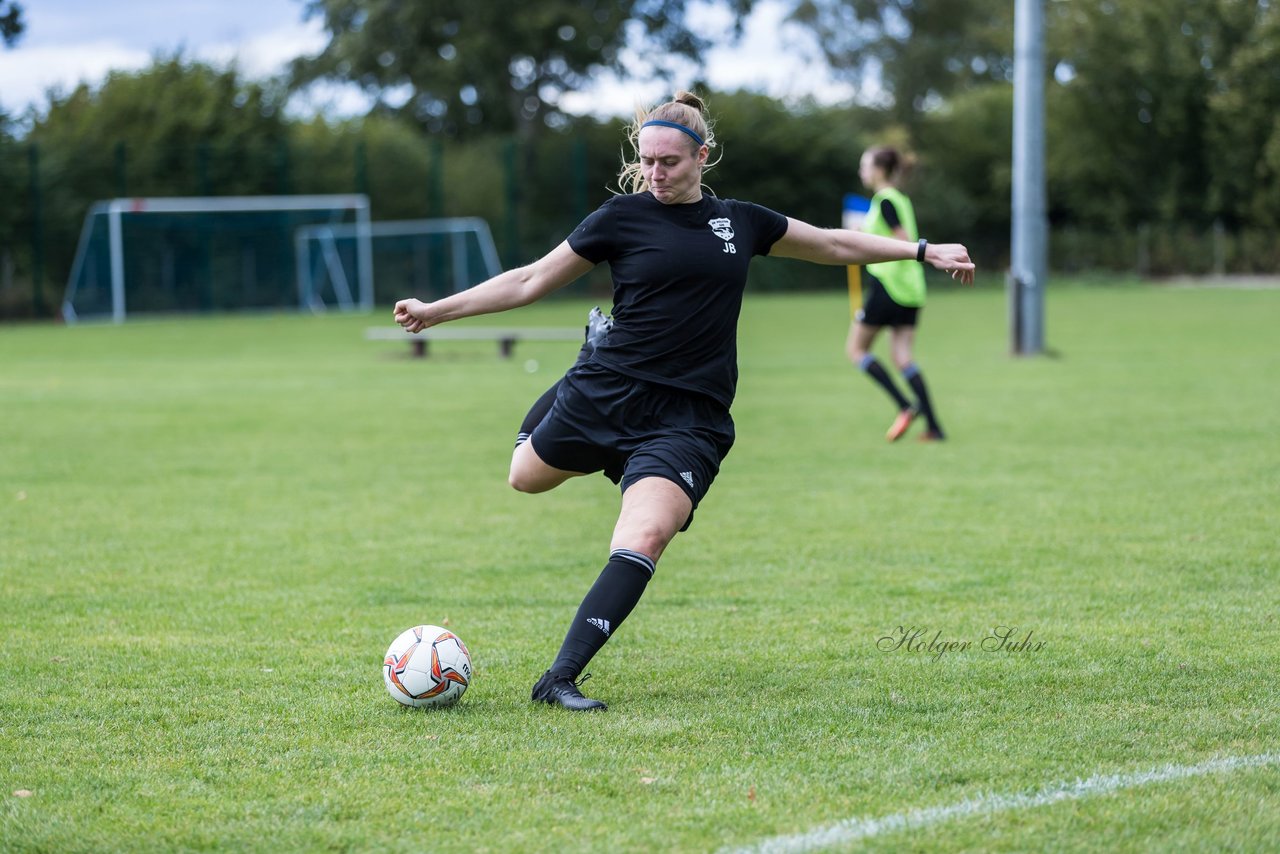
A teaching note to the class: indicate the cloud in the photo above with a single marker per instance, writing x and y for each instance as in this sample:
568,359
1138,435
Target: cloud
266,53
775,57
29,72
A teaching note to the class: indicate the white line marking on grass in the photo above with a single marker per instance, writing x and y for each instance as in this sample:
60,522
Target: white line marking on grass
854,829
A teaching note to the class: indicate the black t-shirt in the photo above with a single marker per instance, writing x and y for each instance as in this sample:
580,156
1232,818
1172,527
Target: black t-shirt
890,214
678,276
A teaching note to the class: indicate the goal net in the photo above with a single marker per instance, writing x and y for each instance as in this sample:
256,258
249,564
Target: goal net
423,258
209,254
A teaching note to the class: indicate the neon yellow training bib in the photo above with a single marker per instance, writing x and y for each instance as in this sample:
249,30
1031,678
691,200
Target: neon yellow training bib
904,280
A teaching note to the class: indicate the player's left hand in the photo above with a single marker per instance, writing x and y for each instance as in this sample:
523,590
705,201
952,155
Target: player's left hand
951,258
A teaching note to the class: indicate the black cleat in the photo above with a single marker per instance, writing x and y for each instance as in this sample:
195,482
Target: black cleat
554,689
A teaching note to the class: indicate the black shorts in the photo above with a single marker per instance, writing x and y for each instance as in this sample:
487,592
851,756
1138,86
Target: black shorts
632,429
879,309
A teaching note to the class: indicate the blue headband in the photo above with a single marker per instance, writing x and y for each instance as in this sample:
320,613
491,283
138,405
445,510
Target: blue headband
661,123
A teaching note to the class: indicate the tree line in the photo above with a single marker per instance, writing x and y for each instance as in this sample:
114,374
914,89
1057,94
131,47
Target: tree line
1163,147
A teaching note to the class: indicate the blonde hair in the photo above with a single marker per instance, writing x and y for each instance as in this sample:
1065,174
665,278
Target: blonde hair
685,109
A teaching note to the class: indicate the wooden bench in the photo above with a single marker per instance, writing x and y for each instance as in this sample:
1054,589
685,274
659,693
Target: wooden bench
506,336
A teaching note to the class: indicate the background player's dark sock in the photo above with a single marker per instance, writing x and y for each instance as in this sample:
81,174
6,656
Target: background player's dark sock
606,605
916,381
871,366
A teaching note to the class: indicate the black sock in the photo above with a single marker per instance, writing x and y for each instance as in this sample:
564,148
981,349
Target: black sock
607,604
536,413
542,405
872,368
916,380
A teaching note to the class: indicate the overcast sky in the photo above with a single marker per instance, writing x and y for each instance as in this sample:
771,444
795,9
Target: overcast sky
70,41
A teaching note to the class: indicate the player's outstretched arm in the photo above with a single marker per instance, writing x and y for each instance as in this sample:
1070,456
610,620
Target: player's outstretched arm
842,246
509,289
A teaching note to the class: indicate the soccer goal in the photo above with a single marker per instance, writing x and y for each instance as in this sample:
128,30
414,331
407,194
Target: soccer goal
425,258
208,254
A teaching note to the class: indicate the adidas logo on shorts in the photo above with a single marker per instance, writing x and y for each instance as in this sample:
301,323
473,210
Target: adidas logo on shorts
688,478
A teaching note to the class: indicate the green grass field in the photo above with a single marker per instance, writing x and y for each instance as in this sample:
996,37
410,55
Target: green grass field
211,528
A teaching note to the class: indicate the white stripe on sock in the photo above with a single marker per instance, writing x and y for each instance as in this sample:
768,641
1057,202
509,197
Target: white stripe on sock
638,559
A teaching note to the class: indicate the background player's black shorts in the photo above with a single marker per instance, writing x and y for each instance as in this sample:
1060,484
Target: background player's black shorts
879,309
631,429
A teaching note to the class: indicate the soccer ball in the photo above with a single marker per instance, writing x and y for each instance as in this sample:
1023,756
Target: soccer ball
427,666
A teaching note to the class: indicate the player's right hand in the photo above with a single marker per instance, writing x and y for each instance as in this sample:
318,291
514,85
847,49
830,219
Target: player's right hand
412,315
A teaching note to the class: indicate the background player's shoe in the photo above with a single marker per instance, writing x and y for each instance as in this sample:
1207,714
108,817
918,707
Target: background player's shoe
564,691
932,436
598,326
900,425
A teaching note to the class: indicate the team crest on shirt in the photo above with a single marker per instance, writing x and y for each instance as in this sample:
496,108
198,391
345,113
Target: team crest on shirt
721,227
